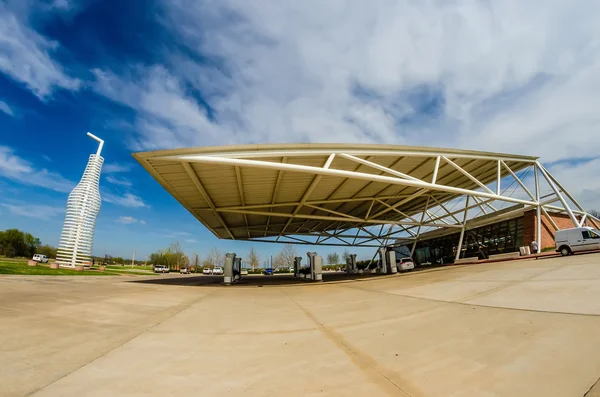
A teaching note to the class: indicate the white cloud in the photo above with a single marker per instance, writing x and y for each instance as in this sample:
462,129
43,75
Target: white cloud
22,171
43,212
191,240
113,168
117,181
130,220
581,180
25,56
499,76
6,109
127,200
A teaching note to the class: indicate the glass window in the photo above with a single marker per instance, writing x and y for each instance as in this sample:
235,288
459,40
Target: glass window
595,234
586,234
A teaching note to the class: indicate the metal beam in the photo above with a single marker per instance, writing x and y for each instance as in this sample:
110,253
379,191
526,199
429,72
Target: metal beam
518,181
415,195
462,231
564,190
309,191
436,168
554,225
333,218
344,173
467,174
276,190
560,197
190,171
378,167
331,211
396,210
295,152
498,178
238,177
538,210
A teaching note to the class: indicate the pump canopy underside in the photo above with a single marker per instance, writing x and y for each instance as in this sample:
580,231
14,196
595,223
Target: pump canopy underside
334,193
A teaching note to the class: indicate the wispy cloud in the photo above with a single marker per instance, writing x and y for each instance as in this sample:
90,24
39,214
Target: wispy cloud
22,171
128,220
43,212
25,56
118,181
191,240
6,109
484,76
114,168
127,200
174,234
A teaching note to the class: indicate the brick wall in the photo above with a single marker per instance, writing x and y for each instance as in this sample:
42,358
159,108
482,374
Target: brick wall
530,221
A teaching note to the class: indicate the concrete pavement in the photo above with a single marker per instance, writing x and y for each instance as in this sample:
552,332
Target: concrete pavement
523,328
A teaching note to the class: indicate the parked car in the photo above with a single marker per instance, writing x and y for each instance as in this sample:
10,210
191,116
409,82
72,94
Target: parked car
404,264
244,272
184,270
218,271
269,272
207,271
577,239
161,269
40,258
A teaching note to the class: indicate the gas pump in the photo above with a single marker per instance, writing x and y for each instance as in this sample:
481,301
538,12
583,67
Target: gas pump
391,262
237,268
297,265
316,266
382,268
228,268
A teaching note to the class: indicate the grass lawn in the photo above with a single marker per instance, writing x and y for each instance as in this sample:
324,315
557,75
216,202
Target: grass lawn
22,268
128,267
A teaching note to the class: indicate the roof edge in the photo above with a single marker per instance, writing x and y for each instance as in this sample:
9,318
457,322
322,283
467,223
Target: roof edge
320,146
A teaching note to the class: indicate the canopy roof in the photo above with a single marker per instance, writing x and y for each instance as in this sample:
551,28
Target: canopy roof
278,192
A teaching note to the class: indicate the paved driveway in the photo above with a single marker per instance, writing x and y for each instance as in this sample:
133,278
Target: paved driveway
523,328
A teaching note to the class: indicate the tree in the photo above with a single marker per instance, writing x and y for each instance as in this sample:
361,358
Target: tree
178,257
594,213
196,262
47,250
333,258
287,255
346,256
278,261
215,257
14,242
253,259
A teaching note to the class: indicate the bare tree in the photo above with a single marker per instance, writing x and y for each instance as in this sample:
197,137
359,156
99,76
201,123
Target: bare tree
594,213
346,255
333,258
253,259
179,259
287,254
215,257
278,261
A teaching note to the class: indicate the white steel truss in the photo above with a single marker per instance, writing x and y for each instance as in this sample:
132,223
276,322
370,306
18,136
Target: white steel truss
389,202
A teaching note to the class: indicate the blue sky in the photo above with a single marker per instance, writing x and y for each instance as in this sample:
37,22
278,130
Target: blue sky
155,74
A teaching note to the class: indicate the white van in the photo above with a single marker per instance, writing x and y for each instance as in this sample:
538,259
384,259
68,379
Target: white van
577,239
40,258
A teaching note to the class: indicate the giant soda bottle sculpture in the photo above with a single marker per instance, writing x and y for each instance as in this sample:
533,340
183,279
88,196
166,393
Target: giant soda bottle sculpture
83,206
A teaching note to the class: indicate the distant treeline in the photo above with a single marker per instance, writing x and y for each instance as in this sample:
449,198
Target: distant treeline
16,243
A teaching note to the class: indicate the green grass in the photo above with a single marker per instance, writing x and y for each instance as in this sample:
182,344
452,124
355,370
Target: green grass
22,268
128,267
